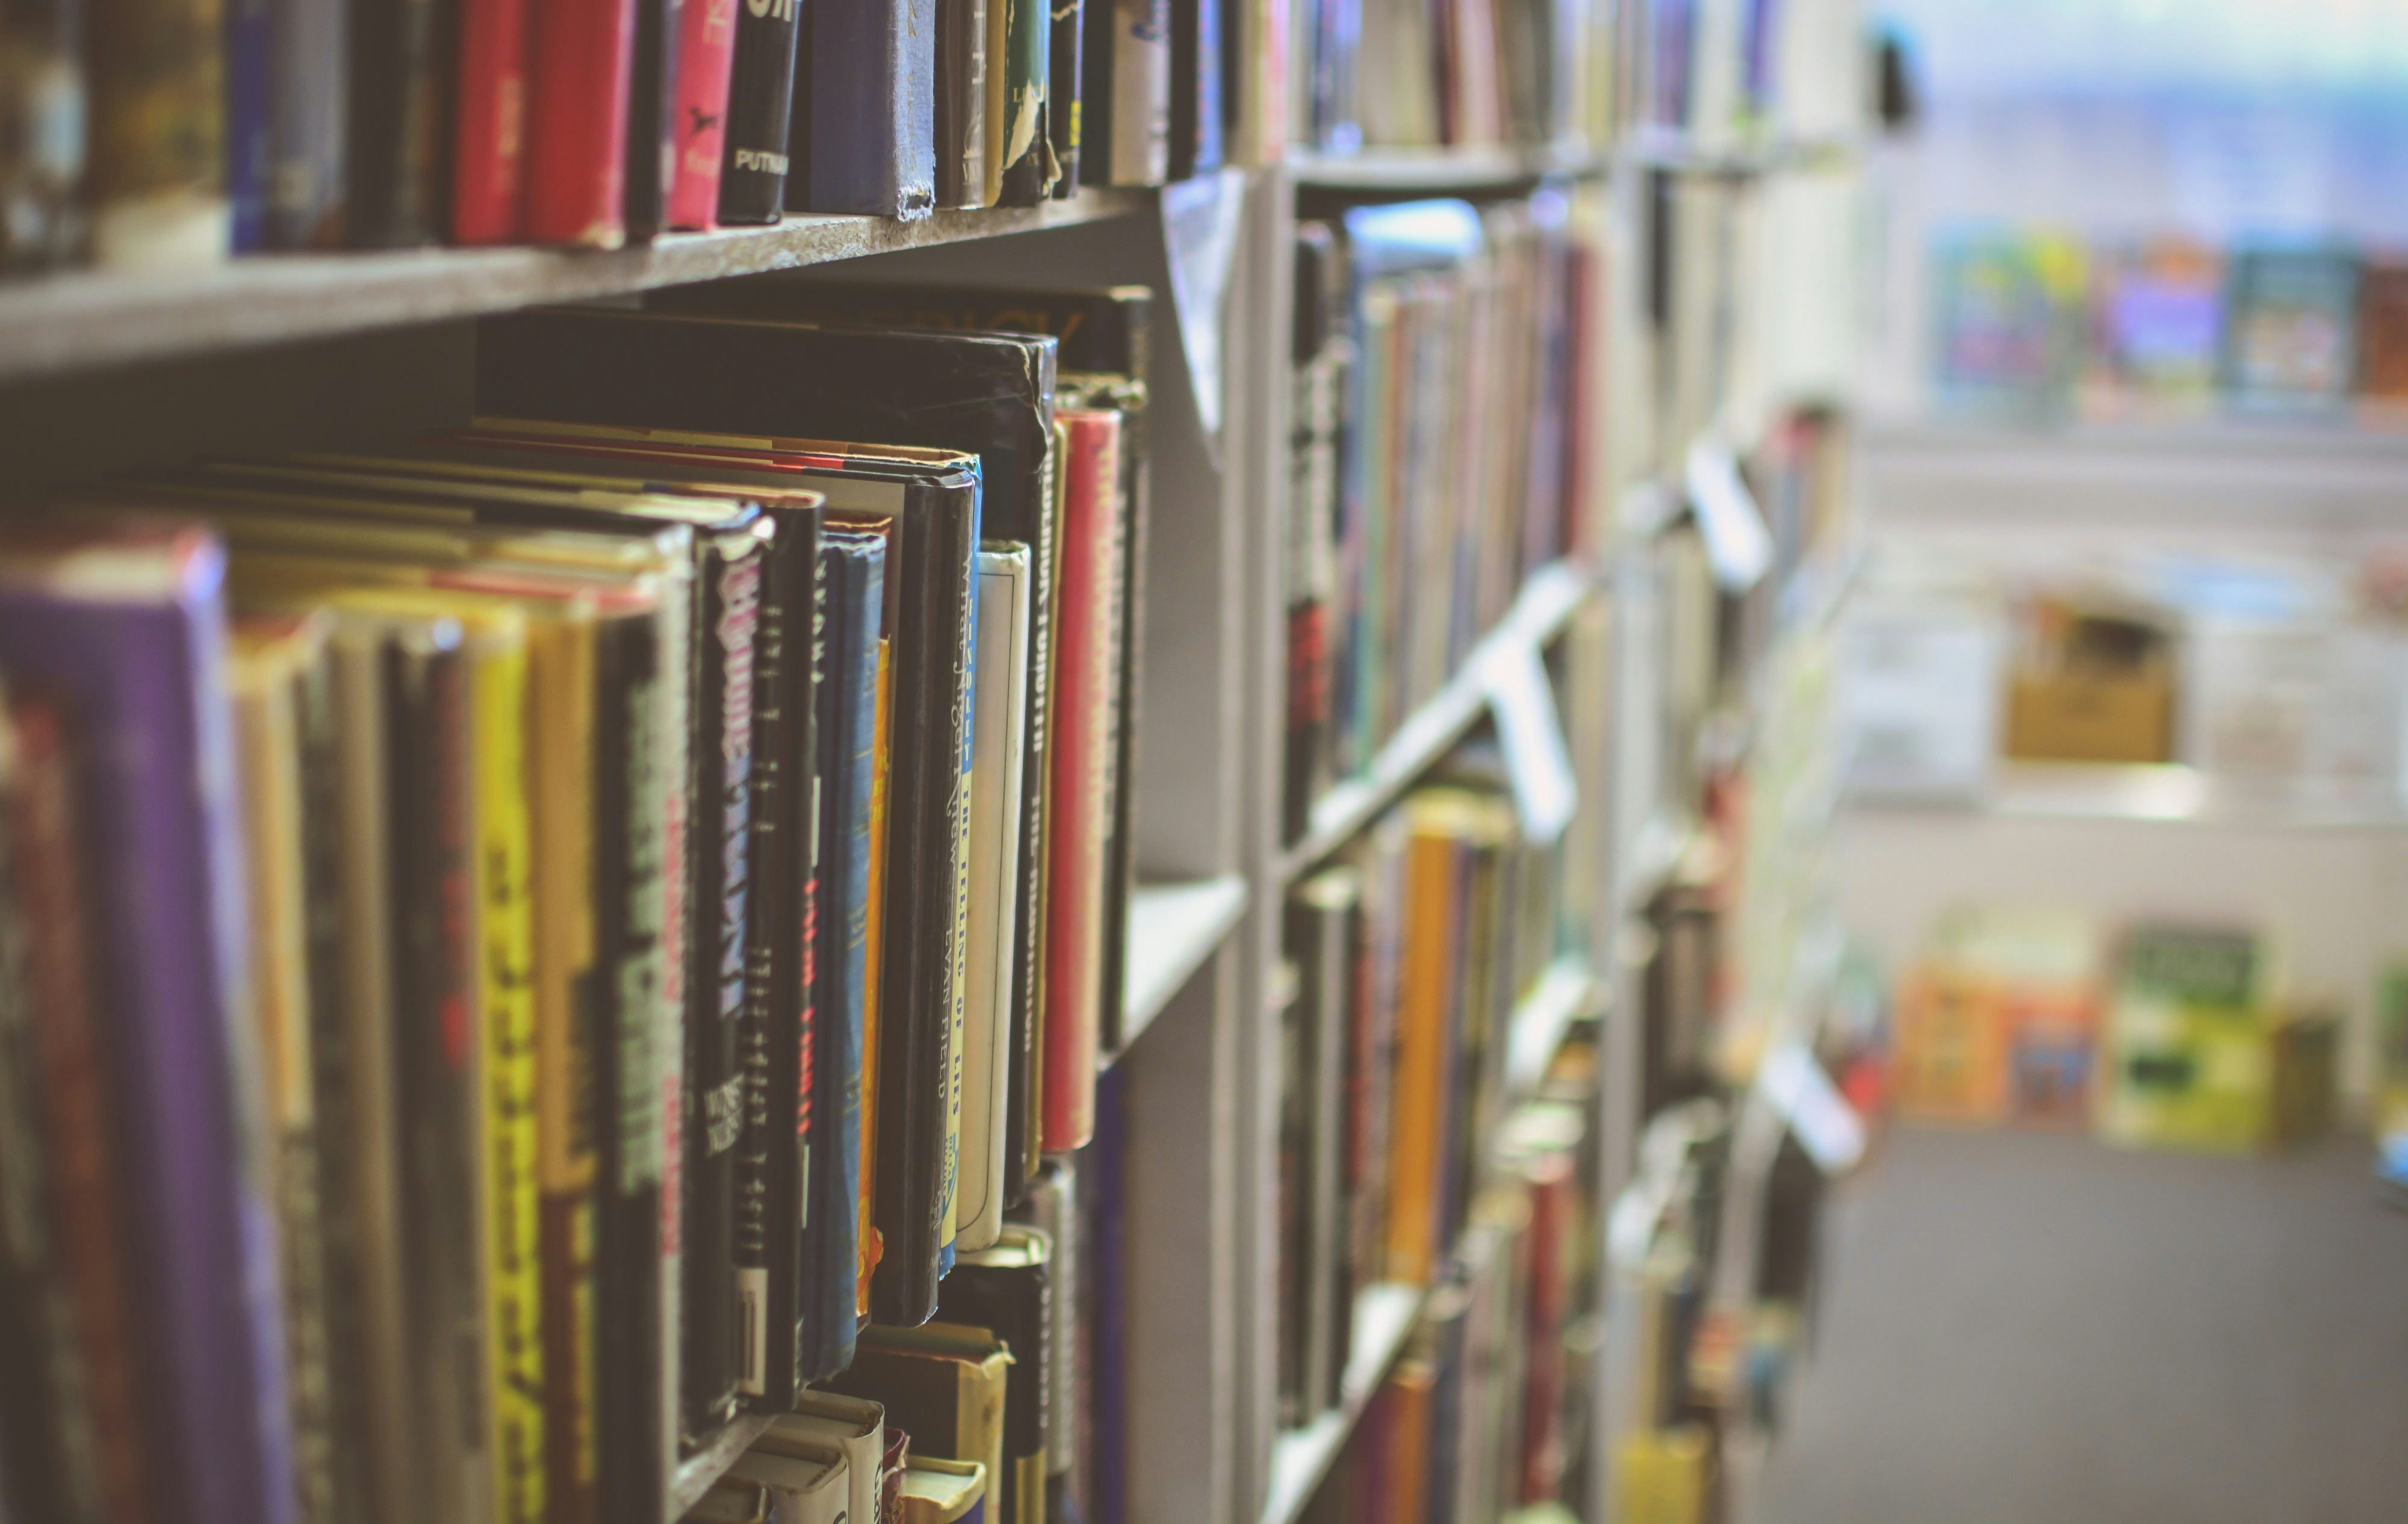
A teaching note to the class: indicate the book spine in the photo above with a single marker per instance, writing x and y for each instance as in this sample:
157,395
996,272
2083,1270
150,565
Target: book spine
652,158
848,699
331,1155
434,1029
1416,1158
719,851
635,921
564,741
358,1082
961,104
1065,90
266,682
777,1049
250,111
870,111
513,1269
488,148
1020,36
1139,33
581,84
157,167
706,55
760,111
66,1416
398,68
307,145
873,943
995,851
1098,52
1197,128
42,162
1079,811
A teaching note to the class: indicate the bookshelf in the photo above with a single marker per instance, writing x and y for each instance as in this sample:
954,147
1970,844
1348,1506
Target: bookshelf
362,351
86,320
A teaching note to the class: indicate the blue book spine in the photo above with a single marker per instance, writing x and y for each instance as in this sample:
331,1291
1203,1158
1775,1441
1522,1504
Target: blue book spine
249,112
854,569
873,108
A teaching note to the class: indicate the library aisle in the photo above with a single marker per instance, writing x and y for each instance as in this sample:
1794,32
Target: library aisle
2036,1326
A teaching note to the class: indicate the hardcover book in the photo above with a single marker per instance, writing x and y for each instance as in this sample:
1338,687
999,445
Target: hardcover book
760,108
398,129
579,99
864,128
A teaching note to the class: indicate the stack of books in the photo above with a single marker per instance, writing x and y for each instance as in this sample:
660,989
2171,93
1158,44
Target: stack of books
516,952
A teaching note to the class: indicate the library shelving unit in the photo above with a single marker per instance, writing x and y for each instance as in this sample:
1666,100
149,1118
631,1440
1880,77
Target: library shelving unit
100,373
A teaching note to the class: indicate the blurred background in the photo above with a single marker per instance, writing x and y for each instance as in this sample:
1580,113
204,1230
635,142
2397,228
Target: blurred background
2121,857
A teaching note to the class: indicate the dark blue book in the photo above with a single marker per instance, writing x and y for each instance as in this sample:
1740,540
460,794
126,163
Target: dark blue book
249,112
852,568
1197,126
865,123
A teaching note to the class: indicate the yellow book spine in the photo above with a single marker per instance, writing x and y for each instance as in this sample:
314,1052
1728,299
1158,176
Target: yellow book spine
561,749
1419,1109
505,990
872,1246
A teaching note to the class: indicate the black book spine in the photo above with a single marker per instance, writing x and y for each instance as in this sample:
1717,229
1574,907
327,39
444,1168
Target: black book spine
922,869
1063,108
651,103
425,687
334,1072
961,102
760,112
720,841
399,124
1095,116
625,992
778,1045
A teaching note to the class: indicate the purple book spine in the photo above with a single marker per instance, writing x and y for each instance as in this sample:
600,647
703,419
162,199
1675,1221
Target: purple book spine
139,670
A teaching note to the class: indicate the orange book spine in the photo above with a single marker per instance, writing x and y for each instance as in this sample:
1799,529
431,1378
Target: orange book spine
1413,1384
1078,810
1419,1105
873,1247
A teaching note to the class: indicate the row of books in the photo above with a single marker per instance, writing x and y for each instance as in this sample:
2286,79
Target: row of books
519,948
1406,73
1406,961
1443,363
294,124
1485,1414
2046,324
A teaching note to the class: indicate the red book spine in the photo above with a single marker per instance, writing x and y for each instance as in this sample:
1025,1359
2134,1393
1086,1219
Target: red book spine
489,152
706,53
51,894
576,128
1078,808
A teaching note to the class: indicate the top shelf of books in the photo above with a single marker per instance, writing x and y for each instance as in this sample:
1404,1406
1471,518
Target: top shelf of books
85,320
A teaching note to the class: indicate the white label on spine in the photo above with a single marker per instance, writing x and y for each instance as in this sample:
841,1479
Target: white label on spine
752,1329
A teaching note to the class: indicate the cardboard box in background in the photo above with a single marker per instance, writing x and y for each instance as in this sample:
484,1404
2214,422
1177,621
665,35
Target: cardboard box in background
2082,716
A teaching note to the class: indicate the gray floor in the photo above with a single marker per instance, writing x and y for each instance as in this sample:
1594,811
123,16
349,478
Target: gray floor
2028,1328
